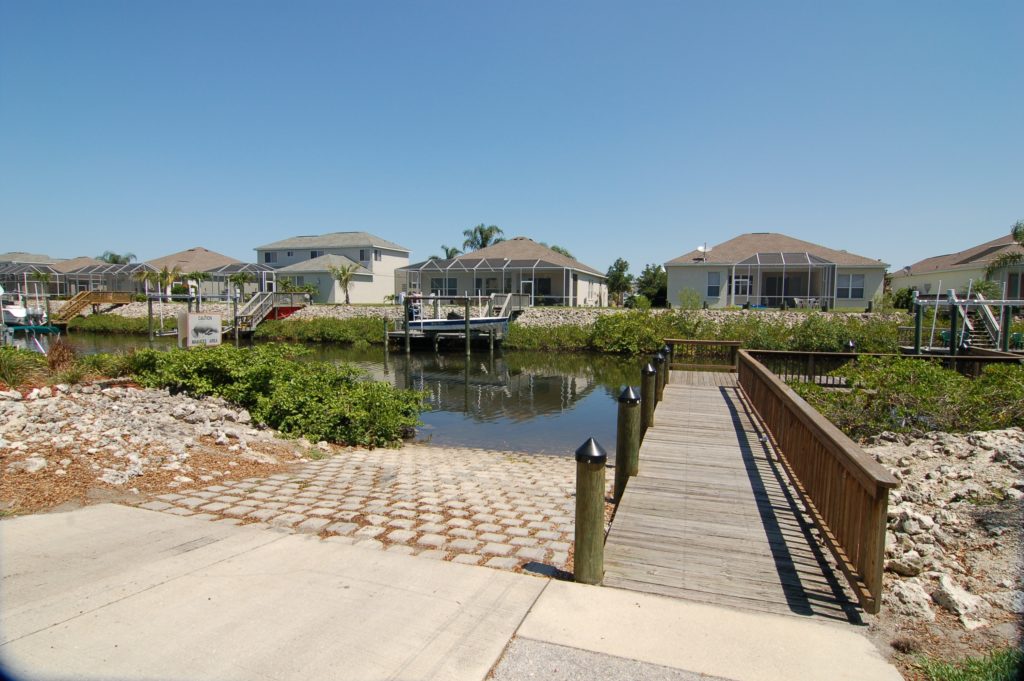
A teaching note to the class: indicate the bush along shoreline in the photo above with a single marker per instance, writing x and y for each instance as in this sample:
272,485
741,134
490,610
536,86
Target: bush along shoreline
621,332
318,401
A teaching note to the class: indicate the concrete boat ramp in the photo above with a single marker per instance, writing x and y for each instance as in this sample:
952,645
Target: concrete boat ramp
112,592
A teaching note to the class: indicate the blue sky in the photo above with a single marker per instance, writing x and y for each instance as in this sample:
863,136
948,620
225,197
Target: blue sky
635,130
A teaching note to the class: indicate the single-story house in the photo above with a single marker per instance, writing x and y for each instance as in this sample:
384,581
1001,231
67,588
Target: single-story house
519,265
767,269
377,259
318,273
940,273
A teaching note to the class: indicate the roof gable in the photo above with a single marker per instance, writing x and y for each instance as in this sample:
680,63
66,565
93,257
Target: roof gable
516,252
333,240
196,259
747,246
323,263
977,256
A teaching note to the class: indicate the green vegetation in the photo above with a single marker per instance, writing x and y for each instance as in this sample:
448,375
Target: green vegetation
314,400
638,331
18,367
325,330
905,395
1000,665
112,323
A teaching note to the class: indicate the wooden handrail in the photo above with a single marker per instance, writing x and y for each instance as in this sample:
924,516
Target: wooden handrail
845,490
716,353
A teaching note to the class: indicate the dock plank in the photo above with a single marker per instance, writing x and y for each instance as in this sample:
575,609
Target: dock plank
711,518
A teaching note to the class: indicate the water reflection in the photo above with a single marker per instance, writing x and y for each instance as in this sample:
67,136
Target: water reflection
520,401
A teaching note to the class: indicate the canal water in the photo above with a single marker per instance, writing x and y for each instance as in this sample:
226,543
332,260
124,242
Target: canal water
513,401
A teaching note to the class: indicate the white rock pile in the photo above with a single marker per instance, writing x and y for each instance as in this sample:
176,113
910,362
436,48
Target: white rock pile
121,433
954,526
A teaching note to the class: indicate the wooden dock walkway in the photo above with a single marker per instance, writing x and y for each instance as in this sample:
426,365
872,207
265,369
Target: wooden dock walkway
710,517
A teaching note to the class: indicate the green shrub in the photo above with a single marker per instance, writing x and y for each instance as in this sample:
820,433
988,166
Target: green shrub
325,330
904,395
631,332
112,323
568,338
19,367
999,665
315,400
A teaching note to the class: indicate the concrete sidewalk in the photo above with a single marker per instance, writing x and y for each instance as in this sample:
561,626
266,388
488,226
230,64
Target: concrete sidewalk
116,592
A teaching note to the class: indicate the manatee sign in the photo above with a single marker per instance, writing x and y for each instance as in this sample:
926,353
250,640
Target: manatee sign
198,329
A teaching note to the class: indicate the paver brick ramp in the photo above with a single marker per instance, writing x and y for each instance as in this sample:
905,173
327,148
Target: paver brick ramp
710,517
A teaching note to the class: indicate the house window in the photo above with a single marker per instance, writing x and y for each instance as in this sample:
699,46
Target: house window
486,286
291,254
741,286
376,254
850,286
714,284
269,257
543,286
364,255
315,254
299,281
444,286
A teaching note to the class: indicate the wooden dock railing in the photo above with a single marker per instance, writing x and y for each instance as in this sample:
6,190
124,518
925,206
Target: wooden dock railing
686,354
846,491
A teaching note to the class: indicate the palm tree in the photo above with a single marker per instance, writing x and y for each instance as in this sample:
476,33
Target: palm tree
344,275
449,253
164,279
198,277
44,278
113,258
240,279
1009,259
481,237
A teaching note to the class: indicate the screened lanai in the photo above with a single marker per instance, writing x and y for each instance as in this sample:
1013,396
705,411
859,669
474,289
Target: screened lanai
768,279
108,277
261,278
25,278
547,283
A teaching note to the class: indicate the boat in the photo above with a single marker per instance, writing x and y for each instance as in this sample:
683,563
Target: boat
17,313
458,324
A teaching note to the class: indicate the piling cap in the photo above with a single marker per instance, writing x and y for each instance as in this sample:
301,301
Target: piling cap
648,370
591,452
666,350
629,396
659,358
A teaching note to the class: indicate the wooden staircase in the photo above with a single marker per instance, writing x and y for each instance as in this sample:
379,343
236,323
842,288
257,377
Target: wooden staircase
83,299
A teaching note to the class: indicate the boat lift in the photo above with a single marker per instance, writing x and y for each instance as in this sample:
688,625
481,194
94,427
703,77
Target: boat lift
958,308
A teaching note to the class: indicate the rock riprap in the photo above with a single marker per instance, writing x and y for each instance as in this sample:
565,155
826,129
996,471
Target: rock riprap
953,546
57,442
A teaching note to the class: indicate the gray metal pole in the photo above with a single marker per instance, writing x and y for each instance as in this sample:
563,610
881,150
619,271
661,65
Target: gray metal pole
953,313
149,309
408,343
467,328
919,317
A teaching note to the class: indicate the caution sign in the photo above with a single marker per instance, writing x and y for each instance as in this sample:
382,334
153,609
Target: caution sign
198,329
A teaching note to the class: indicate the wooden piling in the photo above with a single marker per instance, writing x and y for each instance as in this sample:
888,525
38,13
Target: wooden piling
149,306
648,382
627,440
659,367
588,559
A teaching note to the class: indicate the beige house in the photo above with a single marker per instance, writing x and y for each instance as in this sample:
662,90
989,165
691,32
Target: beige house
767,269
519,265
318,273
302,258
940,273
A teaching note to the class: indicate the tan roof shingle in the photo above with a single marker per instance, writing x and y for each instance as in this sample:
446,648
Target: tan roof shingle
977,256
746,245
196,259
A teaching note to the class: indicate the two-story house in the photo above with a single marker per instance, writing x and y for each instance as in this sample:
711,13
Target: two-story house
309,260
